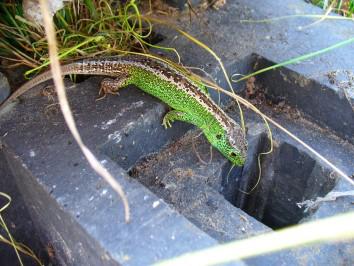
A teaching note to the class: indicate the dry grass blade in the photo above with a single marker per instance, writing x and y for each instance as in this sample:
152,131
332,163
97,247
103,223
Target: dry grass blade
11,241
3,225
308,233
210,51
328,11
270,120
269,20
65,108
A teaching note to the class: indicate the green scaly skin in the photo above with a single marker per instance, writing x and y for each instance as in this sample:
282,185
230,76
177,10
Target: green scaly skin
190,101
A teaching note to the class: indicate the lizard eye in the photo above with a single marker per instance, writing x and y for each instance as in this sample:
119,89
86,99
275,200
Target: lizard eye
218,136
232,154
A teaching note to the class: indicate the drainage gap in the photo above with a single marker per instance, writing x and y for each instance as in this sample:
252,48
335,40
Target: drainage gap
289,176
198,187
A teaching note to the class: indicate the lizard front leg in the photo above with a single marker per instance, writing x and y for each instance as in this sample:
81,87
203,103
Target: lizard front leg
173,115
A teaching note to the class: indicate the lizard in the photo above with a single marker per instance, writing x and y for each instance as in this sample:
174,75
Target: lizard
189,100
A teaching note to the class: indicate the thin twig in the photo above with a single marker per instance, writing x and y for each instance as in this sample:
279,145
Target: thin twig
337,228
332,196
276,124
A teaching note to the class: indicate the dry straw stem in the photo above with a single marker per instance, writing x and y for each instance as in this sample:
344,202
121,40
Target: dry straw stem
266,119
209,50
213,85
3,225
65,108
270,120
337,228
309,16
329,9
239,99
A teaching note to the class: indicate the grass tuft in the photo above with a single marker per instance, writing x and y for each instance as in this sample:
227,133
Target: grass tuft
342,7
84,28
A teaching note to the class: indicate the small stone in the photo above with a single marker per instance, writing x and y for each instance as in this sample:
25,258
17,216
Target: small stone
218,4
104,192
32,9
4,88
155,204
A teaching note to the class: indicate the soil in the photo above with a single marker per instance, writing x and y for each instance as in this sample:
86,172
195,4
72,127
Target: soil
343,80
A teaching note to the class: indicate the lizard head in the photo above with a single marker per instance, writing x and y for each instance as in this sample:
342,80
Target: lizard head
231,143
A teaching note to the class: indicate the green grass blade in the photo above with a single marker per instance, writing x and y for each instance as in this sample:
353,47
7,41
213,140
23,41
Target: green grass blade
298,59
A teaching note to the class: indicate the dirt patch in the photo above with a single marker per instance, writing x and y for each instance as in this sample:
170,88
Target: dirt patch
256,94
343,80
196,189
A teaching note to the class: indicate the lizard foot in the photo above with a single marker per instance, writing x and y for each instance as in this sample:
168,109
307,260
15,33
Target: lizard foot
171,116
166,122
111,86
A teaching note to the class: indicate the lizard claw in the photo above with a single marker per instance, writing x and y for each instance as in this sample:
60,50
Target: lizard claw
166,123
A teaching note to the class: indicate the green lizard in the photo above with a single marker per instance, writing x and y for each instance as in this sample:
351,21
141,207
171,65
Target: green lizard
190,101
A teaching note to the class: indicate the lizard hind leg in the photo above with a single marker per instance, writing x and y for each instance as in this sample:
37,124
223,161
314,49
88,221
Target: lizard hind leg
111,86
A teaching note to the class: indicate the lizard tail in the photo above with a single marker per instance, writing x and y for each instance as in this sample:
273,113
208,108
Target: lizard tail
71,68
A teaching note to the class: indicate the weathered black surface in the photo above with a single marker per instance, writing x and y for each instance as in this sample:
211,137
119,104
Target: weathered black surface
75,212
196,186
17,219
292,177
51,172
181,4
328,104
